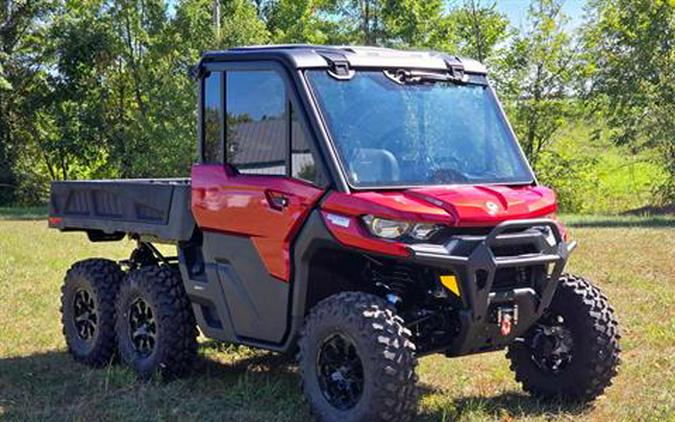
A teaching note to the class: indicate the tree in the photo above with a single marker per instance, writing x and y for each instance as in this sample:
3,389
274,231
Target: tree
21,76
535,75
418,24
479,28
100,88
631,56
300,21
363,20
72,113
403,23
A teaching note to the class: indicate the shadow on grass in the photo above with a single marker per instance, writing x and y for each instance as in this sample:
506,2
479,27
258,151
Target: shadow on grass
258,386
262,362
51,386
619,222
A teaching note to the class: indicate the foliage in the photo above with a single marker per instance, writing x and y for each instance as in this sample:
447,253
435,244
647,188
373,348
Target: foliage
631,56
535,76
570,176
19,82
403,23
480,29
99,88
592,176
106,91
293,21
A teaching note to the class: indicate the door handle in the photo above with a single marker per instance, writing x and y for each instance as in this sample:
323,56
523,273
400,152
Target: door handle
277,200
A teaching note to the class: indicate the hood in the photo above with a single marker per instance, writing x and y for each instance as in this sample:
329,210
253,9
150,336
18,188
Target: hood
480,205
459,205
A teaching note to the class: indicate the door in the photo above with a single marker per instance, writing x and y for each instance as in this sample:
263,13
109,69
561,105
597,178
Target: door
268,210
251,195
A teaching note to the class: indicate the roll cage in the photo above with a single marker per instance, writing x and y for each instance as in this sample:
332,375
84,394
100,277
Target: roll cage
341,63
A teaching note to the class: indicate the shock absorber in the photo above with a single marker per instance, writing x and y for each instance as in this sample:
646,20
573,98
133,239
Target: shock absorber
395,280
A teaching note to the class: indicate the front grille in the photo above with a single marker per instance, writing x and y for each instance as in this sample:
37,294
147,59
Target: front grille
516,277
514,250
513,278
445,234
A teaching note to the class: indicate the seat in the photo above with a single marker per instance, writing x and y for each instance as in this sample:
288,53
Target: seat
371,165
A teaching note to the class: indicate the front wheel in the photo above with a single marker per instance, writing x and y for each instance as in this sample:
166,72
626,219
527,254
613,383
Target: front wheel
572,352
357,362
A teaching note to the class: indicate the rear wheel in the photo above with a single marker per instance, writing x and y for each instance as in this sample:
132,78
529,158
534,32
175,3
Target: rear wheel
357,361
155,326
572,353
88,310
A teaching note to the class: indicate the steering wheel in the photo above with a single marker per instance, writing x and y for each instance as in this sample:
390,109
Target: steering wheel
448,171
447,176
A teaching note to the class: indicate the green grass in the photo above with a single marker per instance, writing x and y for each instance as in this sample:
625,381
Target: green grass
617,181
632,260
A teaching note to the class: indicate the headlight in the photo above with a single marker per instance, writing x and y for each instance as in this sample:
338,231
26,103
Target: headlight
393,229
388,229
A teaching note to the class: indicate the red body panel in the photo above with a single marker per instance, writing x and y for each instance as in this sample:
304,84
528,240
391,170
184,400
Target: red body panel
243,205
463,206
396,205
451,205
350,232
489,205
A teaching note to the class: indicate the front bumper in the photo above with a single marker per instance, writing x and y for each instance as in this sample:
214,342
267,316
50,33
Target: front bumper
472,259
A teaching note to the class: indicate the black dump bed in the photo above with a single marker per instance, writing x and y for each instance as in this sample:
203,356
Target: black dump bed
110,209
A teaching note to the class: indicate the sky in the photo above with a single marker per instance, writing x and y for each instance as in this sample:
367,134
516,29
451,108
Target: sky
516,11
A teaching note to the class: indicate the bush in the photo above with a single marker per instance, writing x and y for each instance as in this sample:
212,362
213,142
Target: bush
572,178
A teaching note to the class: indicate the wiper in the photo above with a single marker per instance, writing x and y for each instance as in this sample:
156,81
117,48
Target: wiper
404,76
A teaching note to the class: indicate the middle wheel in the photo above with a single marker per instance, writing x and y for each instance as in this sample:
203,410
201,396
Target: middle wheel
155,325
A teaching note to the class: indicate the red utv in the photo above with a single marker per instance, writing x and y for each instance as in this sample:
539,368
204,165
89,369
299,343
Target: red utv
361,206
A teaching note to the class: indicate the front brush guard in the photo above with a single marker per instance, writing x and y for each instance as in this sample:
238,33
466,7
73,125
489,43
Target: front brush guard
476,271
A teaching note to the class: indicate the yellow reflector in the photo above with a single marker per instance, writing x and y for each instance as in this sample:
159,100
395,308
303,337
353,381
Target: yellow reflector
450,283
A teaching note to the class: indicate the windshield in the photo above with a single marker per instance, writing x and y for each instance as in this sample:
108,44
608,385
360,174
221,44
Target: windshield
391,134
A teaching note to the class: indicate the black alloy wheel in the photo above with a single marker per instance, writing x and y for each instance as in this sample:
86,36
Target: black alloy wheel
85,317
551,344
340,372
88,310
142,327
156,329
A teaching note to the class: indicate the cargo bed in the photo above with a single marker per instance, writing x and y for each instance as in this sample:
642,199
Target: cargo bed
110,209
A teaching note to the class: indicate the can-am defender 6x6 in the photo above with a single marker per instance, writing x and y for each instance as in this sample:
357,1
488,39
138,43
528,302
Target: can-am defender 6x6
360,207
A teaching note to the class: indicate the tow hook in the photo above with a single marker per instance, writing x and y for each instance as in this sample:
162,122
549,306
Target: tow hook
507,317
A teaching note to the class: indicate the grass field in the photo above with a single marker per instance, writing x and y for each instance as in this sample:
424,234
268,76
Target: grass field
632,259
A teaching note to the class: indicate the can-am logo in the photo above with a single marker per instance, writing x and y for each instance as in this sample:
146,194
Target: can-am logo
492,207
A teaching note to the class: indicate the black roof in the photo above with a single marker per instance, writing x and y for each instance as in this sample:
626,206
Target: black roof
305,56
